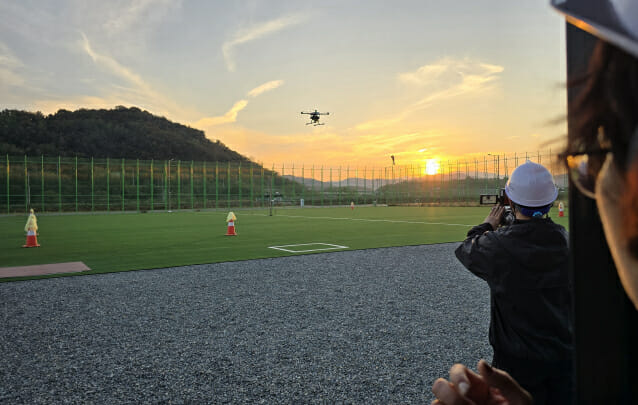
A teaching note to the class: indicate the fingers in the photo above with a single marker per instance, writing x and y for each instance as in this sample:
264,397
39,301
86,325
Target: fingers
507,386
459,377
447,393
469,383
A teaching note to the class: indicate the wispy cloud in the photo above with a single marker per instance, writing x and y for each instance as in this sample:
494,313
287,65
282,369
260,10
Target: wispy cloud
442,80
271,85
113,66
231,115
256,32
133,14
141,93
382,144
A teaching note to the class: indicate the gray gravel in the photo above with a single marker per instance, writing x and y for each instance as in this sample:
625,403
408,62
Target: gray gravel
367,326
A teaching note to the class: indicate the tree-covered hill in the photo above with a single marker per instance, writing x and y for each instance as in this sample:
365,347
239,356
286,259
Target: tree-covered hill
118,133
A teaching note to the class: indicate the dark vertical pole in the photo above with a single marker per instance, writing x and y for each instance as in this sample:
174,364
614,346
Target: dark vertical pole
59,184
322,186
228,185
239,183
76,184
137,185
216,185
605,321
262,185
42,183
8,188
26,185
179,185
92,187
192,188
204,183
152,205
108,187
123,184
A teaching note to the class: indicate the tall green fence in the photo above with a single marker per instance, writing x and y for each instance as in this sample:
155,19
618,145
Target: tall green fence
62,184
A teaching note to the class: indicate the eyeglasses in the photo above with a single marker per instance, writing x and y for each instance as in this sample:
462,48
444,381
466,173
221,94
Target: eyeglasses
583,169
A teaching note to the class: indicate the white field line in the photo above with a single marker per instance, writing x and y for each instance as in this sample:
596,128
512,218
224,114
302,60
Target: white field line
375,220
333,247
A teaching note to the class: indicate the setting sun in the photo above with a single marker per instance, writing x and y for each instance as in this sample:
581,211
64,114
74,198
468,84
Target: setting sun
432,166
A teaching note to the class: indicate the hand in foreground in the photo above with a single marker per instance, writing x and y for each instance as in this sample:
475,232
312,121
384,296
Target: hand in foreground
494,218
491,387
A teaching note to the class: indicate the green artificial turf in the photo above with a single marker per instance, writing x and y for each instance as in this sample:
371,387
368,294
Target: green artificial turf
119,242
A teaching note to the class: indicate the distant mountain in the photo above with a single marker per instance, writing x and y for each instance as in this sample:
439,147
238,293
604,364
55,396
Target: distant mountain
350,182
122,132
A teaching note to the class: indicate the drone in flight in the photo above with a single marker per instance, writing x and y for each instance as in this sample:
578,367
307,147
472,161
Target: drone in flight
314,117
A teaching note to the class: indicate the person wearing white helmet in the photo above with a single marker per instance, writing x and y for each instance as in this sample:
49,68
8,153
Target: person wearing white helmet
602,160
525,265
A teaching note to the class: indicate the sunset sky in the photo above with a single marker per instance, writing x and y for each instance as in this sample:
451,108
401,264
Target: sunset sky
417,79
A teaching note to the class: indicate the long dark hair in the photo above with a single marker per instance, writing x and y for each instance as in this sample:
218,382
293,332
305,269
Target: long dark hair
608,100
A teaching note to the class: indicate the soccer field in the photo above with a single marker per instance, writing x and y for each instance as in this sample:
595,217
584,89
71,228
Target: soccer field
120,242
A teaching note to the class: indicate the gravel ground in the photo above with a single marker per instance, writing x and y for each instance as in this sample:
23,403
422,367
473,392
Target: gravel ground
367,326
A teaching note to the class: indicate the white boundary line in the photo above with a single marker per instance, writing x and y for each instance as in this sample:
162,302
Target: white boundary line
376,220
308,250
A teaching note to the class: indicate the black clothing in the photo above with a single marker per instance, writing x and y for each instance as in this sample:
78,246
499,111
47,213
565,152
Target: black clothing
526,267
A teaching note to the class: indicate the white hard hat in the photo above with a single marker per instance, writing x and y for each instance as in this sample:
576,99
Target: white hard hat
531,185
615,21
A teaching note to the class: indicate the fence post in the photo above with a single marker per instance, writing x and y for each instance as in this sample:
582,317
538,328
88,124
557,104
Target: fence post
137,185
303,183
228,187
108,187
152,185
322,185
252,184
331,188
92,187
216,185
123,183
294,182
192,196
339,188
505,165
365,191
239,193
460,183
76,184
59,184
179,185
8,191
283,186
312,185
272,186
166,195
42,185
356,186
204,181
27,194
262,186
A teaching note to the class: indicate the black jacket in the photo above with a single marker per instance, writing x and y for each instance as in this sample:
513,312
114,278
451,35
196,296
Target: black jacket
525,265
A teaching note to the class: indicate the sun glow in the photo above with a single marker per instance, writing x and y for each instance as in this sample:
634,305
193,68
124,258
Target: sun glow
432,166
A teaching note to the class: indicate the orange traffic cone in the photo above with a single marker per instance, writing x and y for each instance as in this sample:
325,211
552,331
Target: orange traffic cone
230,219
31,228
561,209
231,229
32,241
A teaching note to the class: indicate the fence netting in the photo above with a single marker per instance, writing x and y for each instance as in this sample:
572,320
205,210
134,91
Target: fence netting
63,184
